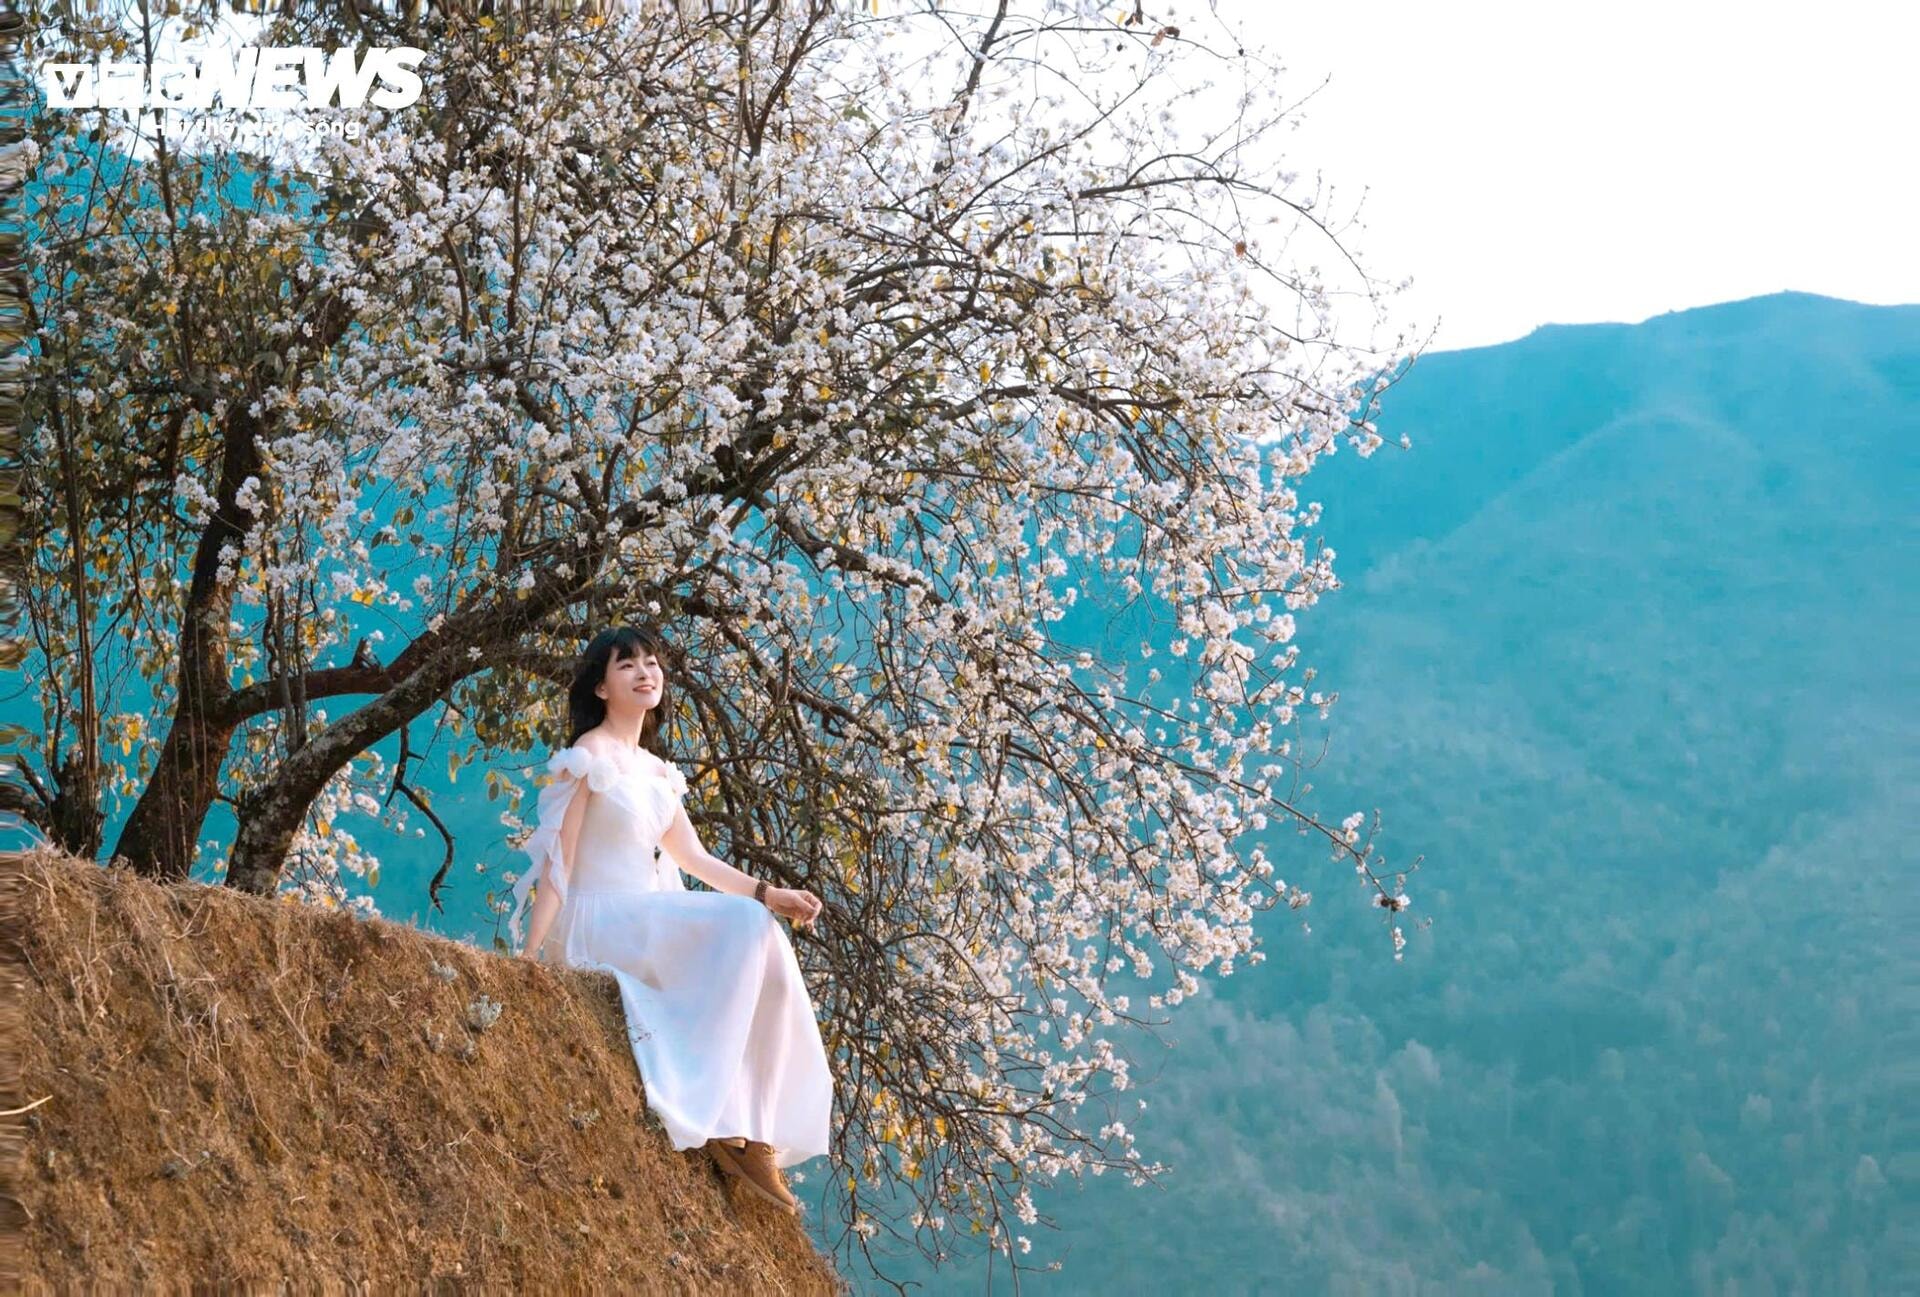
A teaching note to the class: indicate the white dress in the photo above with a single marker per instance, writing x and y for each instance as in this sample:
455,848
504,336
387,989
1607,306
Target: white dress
722,1027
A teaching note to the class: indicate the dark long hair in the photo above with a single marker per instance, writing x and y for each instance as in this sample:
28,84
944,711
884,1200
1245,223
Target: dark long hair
586,709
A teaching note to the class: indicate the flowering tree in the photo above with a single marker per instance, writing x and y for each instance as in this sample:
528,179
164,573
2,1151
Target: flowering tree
864,353
15,547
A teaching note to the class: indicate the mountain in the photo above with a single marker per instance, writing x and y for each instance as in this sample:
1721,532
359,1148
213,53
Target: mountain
1625,652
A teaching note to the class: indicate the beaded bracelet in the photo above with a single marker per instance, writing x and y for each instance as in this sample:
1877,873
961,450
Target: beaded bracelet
760,891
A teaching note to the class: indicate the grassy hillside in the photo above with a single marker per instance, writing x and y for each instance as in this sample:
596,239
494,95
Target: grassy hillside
232,1089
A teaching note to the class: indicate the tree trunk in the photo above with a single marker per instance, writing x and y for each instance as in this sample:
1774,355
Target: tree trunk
161,833
159,836
271,815
76,823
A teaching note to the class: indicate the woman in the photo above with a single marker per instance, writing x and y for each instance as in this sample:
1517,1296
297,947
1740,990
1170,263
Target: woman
721,1023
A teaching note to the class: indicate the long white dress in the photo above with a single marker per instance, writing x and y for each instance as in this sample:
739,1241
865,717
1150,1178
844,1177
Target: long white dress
722,1027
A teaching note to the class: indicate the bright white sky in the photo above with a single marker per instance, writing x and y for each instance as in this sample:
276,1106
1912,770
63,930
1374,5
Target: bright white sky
1534,163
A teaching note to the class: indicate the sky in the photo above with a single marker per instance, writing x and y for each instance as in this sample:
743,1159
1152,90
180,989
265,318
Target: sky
1530,164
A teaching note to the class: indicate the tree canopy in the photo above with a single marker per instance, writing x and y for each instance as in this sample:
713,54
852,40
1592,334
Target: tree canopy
918,374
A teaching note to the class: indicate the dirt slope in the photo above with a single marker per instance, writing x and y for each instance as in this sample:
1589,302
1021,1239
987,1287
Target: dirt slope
247,1091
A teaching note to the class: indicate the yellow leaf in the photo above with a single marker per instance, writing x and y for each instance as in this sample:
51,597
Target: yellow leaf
326,827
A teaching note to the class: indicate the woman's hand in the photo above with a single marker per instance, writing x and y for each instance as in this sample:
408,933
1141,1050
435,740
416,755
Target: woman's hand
795,903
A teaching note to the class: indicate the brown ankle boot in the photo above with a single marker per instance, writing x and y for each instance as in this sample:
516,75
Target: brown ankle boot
759,1160
754,1166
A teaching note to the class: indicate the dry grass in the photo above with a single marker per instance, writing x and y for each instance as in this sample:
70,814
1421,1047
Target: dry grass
224,1089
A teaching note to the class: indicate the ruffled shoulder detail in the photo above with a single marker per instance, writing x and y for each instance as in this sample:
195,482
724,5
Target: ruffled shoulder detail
675,780
569,766
578,763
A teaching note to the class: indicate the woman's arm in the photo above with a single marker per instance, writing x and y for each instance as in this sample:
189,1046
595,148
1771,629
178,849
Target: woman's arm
683,844
546,901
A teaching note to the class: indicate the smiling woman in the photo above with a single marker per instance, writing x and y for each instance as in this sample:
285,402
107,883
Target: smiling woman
721,1024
